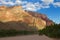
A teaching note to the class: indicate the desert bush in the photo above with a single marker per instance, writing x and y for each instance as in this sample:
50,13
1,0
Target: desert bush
52,31
6,33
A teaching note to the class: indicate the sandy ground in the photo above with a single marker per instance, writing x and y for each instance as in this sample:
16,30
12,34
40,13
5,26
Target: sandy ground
27,37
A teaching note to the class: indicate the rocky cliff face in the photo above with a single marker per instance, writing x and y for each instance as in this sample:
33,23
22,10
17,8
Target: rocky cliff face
16,13
42,16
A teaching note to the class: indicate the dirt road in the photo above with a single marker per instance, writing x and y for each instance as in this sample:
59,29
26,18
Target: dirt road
27,37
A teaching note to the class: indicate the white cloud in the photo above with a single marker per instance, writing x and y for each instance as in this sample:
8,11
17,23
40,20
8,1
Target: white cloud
7,3
18,2
3,2
11,3
30,5
38,5
57,4
47,1
46,6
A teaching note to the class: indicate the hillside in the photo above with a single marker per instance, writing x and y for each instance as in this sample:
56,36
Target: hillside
14,16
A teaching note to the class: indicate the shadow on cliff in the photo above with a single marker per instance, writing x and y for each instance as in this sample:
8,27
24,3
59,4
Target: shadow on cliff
16,25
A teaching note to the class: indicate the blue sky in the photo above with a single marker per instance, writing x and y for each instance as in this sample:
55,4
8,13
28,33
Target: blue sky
49,7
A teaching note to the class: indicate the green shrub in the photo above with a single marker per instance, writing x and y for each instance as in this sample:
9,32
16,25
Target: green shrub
4,33
52,31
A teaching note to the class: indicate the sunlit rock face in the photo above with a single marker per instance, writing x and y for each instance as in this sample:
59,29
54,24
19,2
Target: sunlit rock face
16,13
42,16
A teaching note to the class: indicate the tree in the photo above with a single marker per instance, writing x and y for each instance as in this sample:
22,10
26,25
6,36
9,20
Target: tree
52,31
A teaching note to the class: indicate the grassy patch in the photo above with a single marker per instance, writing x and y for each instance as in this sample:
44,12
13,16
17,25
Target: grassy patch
6,33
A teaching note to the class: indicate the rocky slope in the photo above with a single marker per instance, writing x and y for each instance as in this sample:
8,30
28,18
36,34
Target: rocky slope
42,16
17,14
